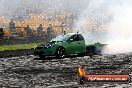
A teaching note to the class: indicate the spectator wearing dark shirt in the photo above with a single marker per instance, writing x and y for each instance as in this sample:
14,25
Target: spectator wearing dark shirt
50,30
40,30
28,30
12,25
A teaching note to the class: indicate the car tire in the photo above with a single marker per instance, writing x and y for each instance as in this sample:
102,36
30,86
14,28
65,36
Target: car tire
60,52
42,56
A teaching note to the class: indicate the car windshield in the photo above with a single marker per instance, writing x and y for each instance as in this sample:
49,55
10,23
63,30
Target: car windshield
61,38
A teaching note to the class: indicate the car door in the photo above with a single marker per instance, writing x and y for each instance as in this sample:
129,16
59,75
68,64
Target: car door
74,47
80,44
71,45
77,44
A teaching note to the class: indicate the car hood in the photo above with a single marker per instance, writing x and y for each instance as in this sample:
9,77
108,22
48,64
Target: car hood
51,43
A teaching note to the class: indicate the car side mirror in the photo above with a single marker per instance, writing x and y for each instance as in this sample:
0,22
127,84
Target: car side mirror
71,40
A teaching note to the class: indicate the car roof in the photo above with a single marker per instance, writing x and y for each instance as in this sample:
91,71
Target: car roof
65,36
71,33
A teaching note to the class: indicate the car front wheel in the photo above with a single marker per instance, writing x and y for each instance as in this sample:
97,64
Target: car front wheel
60,52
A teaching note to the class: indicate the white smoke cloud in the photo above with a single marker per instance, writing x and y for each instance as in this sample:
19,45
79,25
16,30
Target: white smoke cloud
119,33
115,16
92,20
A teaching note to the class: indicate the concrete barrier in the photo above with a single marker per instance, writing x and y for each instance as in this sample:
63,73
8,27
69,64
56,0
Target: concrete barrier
19,52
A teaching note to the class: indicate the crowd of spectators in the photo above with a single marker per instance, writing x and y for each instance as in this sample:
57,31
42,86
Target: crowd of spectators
39,25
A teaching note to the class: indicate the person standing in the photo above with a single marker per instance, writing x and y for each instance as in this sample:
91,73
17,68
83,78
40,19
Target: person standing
1,32
62,27
28,30
50,30
12,26
40,30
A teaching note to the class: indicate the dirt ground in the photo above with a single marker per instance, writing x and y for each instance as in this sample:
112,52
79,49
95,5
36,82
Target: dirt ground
32,72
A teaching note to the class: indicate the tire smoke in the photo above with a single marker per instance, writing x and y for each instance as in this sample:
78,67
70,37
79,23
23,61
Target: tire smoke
120,29
108,22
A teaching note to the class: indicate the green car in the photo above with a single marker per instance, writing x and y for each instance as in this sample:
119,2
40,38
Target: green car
62,45
66,45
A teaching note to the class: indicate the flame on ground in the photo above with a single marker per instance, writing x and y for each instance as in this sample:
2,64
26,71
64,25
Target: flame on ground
81,71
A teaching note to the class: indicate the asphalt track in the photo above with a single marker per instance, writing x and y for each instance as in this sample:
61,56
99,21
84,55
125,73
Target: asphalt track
32,72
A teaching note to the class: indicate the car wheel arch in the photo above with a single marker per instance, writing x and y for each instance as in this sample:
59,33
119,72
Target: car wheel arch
60,47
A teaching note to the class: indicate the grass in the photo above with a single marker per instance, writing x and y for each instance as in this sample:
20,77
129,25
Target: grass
18,46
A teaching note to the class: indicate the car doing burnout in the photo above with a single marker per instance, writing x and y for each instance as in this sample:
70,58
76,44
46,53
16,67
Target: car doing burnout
65,45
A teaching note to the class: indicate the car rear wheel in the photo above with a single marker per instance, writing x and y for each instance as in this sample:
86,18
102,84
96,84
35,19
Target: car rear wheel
60,52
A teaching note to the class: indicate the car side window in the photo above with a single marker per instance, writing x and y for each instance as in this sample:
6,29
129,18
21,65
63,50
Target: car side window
72,37
80,37
77,37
